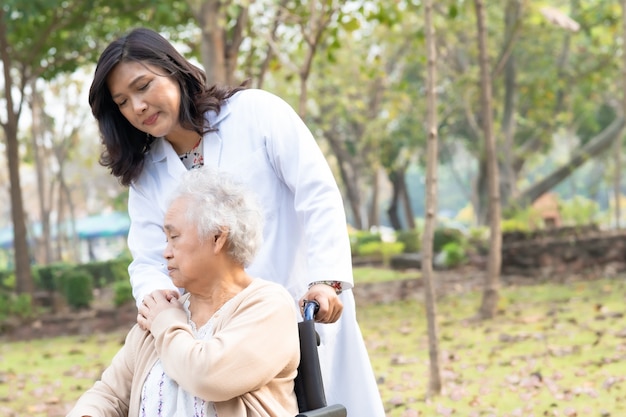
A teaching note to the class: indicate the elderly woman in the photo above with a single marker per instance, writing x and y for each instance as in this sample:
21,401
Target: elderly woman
228,346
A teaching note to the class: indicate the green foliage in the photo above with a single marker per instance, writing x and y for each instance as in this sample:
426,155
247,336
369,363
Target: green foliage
359,238
77,288
7,280
478,240
445,235
15,305
521,220
453,254
368,274
579,211
122,292
56,36
107,272
410,239
385,250
49,277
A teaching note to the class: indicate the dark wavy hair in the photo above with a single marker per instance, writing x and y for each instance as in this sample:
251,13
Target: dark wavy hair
124,145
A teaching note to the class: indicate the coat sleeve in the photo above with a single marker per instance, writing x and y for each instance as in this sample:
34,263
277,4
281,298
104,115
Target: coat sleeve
110,396
248,349
146,242
300,164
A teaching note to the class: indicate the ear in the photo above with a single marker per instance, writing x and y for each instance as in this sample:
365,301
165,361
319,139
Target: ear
220,240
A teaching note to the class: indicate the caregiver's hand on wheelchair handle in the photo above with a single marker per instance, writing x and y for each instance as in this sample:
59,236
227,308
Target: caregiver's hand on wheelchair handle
330,304
154,303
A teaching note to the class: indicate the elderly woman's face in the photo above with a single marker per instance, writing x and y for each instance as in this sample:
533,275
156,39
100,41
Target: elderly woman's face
188,259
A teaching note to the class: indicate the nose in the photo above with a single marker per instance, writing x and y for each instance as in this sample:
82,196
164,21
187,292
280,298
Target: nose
167,252
139,105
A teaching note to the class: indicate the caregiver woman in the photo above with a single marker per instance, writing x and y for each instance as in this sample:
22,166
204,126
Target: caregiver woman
159,118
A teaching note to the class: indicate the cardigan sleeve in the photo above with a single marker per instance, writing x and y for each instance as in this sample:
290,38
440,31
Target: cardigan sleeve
110,396
255,344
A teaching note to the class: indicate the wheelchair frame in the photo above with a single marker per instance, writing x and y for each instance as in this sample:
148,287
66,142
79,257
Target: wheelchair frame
309,386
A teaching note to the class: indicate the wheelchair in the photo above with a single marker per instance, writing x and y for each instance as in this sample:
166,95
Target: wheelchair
309,386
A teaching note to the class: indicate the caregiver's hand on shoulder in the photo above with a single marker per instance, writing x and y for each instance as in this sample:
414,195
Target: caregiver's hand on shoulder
154,303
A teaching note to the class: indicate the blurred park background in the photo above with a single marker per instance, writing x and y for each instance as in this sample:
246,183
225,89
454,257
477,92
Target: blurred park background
356,72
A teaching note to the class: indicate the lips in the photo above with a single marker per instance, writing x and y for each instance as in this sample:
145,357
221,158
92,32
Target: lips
151,120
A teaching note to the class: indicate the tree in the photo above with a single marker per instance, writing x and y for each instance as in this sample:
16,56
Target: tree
491,290
618,147
547,78
222,27
431,202
40,40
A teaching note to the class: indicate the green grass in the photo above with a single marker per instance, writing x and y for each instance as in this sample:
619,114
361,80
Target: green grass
553,350
373,274
38,378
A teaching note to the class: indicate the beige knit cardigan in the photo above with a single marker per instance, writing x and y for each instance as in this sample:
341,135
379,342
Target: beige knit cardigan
247,368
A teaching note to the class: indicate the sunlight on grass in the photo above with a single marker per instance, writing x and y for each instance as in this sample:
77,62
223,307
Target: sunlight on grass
37,374
553,350
373,274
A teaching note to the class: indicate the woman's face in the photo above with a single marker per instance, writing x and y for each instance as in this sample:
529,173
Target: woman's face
189,260
146,96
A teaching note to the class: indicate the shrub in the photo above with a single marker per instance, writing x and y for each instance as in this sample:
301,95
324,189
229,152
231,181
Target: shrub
15,305
49,277
122,292
579,211
410,239
107,272
383,249
360,240
453,254
77,288
445,235
7,280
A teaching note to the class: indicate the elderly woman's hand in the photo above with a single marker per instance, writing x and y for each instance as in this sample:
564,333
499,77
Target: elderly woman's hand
330,304
153,304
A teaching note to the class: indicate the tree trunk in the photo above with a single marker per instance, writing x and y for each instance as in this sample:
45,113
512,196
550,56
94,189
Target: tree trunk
220,44
492,281
509,177
349,176
406,202
618,150
392,211
373,214
434,386
24,279
37,129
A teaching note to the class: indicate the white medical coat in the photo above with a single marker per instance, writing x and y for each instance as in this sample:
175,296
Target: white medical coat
262,141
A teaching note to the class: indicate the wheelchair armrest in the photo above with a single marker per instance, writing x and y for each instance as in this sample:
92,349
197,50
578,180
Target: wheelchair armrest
335,410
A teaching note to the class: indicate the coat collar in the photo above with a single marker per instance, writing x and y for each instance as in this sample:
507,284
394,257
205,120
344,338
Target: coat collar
161,149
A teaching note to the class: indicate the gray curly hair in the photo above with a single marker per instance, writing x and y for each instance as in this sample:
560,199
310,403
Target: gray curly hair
217,202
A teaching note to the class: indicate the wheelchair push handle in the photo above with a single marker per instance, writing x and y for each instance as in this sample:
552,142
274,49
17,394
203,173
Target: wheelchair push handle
311,307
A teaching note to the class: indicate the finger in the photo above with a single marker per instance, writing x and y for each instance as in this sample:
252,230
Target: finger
148,300
171,295
158,296
141,321
324,311
336,311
